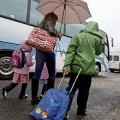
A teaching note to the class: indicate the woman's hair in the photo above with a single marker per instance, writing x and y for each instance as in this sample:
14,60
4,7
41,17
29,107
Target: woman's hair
52,17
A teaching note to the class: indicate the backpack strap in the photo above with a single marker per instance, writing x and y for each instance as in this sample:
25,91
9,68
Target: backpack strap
23,50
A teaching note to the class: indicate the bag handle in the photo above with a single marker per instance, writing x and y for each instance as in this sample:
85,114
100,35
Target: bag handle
61,81
73,83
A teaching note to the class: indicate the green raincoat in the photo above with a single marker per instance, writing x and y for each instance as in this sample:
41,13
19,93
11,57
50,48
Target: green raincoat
82,50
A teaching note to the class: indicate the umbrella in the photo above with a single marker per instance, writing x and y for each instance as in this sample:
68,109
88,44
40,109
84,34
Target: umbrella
68,11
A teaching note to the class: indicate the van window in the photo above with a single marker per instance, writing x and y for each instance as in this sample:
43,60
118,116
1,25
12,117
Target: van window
116,58
110,58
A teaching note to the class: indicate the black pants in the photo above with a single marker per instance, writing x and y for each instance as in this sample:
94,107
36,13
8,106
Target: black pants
35,87
44,88
13,85
82,84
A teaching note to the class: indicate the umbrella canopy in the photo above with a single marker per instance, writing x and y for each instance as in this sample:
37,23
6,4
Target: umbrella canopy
68,11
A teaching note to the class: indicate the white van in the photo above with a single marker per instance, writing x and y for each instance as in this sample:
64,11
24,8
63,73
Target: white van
114,61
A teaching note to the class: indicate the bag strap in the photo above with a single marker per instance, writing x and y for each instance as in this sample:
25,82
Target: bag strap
24,50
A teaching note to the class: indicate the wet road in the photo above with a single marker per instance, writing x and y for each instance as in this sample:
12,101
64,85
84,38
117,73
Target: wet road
103,103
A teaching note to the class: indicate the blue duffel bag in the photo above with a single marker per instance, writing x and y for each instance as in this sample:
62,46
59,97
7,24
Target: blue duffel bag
53,105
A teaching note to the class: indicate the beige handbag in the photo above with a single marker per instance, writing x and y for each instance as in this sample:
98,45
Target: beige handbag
41,39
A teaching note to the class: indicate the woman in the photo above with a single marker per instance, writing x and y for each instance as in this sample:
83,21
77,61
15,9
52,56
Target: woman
48,24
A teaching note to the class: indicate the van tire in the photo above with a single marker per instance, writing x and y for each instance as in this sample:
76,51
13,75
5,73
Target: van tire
97,70
111,70
6,70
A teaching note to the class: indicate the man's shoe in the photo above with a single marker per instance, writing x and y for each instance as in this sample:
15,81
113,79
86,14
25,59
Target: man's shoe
35,101
4,93
22,96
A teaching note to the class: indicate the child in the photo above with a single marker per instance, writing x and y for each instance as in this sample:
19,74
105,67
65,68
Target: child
44,77
21,75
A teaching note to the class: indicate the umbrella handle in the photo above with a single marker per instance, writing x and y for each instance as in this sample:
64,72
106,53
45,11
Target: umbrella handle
60,26
63,14
60,35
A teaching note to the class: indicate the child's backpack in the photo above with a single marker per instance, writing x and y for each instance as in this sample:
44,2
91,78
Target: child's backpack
53,105
18,58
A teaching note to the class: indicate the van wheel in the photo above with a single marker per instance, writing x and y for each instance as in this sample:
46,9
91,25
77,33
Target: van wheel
6,70
97,70
111,70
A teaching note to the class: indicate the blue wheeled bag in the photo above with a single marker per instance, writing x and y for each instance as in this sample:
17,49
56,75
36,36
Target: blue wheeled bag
53,105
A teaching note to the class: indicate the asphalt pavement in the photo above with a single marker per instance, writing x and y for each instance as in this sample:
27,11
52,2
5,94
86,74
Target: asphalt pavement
103,102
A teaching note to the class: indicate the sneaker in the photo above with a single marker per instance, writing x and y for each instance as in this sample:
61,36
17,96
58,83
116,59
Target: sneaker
35,101
22,96
41,96
4,93
67,116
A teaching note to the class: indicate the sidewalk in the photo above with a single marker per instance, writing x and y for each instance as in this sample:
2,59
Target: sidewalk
103,103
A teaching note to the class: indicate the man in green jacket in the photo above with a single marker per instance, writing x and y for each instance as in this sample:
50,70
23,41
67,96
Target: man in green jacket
81,54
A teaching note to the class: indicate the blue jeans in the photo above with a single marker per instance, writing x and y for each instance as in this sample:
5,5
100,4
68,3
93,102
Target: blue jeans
41,58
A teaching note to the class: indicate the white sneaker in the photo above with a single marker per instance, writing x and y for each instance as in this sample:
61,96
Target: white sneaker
4,93
22,96
68,114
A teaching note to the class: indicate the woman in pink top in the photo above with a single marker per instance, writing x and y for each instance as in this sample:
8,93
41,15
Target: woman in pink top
21,75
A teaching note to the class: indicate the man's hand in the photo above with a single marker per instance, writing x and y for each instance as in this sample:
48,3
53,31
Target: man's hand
66,72
60,34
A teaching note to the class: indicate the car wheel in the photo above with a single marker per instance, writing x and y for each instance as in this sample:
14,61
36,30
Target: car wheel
97,70
111,70
6,70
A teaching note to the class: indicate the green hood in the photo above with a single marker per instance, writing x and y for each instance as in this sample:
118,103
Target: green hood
92,28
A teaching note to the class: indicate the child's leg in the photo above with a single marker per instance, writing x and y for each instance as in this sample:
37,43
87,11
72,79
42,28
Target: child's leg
10,87
23,88
43,89
22,92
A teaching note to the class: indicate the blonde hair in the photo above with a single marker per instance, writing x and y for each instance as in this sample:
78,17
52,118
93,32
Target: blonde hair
52,17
